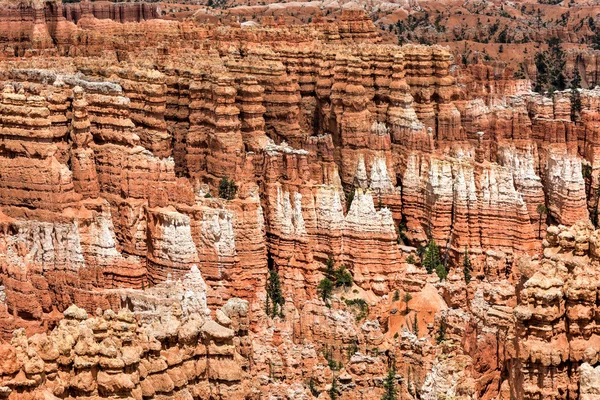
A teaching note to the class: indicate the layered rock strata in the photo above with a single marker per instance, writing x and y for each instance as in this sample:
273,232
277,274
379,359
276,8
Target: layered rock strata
141,151
161,344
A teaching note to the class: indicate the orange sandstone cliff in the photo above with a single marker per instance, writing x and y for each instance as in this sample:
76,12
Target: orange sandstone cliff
156,175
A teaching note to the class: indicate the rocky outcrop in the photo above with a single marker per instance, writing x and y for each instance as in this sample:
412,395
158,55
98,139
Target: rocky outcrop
555,316
34,27
162,343
119,12
253,157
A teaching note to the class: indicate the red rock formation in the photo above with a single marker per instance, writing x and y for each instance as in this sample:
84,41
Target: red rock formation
554,315
83,165
119,12
32,176
164,345
112,165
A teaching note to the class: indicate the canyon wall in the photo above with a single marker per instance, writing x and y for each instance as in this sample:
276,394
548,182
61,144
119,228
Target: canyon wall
162,343
170,169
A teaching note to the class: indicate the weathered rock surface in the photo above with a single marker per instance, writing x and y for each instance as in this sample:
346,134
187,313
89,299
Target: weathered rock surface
134,150
161,344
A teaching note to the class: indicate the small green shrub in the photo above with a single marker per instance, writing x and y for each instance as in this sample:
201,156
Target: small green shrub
328,354
313,388
342,277
339,277
352,349
362,306
227,188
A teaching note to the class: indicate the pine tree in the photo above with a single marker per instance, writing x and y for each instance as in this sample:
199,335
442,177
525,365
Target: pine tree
325,288
541,210
389,385
575,96
441,272
558,79
334,392
406,298
415,326
275,299
550,65
467,268
576,81
401,35
401,231
431,258
330,268
441,333
328,354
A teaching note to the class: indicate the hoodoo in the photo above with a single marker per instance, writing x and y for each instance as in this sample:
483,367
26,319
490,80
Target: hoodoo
193,206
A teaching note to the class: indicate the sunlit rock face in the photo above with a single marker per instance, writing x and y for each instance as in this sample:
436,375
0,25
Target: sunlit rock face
172,193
